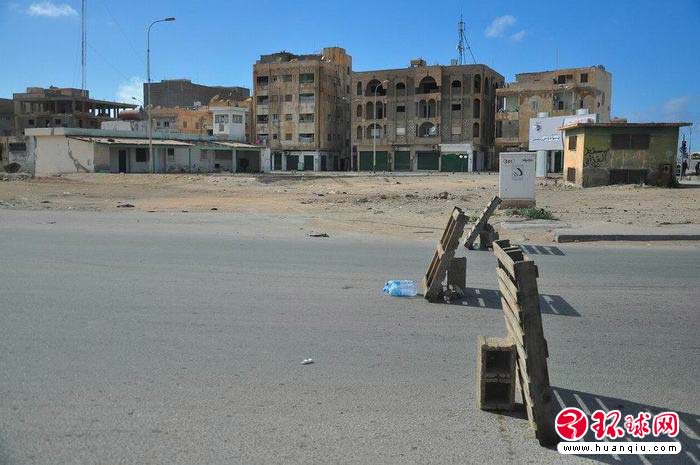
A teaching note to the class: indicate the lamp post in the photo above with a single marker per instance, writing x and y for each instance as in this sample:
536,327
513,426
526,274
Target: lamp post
150,105
374,135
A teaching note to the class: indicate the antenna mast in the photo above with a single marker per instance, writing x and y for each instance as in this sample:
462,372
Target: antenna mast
463,43
83,44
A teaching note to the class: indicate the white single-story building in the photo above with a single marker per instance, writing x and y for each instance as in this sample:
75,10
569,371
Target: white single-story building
50,151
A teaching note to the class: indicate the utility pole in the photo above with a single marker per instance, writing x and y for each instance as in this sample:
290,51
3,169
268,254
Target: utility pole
83,44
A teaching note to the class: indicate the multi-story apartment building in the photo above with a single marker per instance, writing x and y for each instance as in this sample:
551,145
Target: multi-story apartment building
62,107
302,110
424,117
183,93
557,93
6,117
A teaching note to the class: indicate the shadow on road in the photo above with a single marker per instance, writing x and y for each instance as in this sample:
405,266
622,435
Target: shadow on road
550,304
542,250
687,436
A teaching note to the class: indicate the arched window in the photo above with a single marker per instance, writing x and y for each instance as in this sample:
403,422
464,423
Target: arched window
486,85
477,108
423,109
359,111
427,129
359,132
380,109
359,88
369,110
374,131
456,85
477,83
400,89
475,131
372,86
427,86
432,107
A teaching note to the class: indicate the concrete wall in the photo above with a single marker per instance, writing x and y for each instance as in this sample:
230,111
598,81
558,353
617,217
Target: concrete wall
594,156
19,150
59,154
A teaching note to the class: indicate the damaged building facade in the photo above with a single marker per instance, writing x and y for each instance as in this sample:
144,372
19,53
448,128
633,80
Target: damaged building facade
557,93
62,108
424,118
301,109
183,93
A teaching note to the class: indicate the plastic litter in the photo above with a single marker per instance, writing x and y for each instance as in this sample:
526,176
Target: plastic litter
307,361
401,288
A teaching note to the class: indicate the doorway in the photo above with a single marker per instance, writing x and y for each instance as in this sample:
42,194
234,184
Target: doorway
122,161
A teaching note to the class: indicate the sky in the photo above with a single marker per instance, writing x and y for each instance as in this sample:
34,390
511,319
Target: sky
652,48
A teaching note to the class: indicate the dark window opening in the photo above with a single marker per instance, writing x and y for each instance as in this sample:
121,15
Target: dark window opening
584,77
572,142
141,155
456,107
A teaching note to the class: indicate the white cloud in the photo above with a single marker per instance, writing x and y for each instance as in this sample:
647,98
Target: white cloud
518,36
676,108
498,26
131,88
51,10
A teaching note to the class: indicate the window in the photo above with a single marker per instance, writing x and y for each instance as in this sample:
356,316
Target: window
221,119
30,122
306,98
359,132
400,89
274,78
630,141
288,98
477,108
274,136
306,138
171,154
456,84
263,100
286,78
196,125
141,155
57,122
306,118
262,80
237,119
221,127
288,117
358,112
329,138
560,105
572,142
534,104
584,77
17,147
456,107
262,119
640,141
275,117
306,78
359,88
400,109
561,79
288,136
475,131
477,83
184,124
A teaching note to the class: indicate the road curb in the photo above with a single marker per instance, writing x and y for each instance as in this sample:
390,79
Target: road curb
561,238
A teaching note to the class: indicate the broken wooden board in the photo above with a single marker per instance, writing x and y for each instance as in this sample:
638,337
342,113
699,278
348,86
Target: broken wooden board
442,258
481,223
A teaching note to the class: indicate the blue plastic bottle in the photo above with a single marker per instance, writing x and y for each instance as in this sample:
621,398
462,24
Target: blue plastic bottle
401,288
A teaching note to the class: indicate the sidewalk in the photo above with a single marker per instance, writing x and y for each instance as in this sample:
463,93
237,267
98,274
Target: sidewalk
617,232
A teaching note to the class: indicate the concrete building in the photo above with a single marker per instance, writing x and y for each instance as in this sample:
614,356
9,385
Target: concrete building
50,151
598,154
424,117
6,117
230,123
302,109
246,104
62,107
549,93
183,93
190,121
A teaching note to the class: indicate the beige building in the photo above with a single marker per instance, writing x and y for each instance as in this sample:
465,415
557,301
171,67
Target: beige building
301,109
558,93
186,120
424,117
598,154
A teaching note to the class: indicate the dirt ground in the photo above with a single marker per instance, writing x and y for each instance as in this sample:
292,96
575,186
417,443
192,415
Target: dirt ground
392,205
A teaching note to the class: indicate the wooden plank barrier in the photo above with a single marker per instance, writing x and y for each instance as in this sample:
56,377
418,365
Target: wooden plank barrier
442,259
517,280
482,229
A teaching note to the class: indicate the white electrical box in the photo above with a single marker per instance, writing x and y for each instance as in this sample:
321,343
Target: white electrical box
517,179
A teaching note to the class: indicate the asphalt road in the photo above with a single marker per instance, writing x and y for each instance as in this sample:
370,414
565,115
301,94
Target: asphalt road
152,338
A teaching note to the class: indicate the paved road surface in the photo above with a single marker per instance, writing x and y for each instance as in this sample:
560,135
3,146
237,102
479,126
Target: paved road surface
136,338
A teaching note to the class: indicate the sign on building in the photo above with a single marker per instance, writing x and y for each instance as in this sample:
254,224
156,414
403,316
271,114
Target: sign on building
517,179
544,133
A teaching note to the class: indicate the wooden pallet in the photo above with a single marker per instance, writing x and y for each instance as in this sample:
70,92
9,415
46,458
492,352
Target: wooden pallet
517,280
481,228
444,253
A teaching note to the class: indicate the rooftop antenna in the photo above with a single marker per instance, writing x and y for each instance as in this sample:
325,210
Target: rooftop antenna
83,44
463,44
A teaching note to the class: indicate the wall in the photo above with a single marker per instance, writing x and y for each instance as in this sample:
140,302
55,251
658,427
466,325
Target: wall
59,154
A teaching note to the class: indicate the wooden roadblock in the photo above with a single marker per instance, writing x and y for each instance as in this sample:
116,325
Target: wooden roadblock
496,373
443,258
517,280
482,227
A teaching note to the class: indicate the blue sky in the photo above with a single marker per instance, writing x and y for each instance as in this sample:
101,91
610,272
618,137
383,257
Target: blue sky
651,47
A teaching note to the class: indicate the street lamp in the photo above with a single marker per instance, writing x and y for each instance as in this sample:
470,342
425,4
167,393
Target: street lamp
374,135
150,105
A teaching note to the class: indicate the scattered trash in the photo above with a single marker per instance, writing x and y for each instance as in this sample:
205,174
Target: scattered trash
125,205
362,200
318,235
401,288
307,361
213,209
443,195
184,211
45,201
